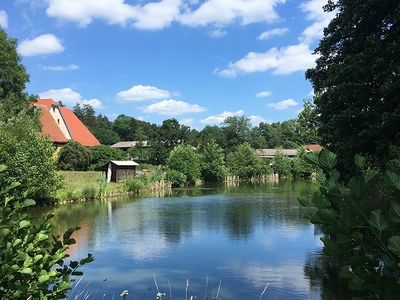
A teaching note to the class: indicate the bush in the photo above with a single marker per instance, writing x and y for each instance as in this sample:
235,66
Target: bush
186,161
29,156
101,155
176,178
89,193
33,263
134,184
361,224
74,157
213,167
282,164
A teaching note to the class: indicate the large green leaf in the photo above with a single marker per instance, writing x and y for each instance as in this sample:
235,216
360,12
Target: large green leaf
393,179
376,220
327,159
359,161
394,244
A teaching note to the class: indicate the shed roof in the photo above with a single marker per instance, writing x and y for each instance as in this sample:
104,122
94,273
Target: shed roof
128,144
124,162
273,152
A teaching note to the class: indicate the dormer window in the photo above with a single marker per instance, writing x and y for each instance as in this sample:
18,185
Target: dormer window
58,121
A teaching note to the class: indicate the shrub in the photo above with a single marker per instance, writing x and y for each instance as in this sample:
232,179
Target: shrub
74,157
89,193
134,184
282,164
33,263
361,224
176,178
186,161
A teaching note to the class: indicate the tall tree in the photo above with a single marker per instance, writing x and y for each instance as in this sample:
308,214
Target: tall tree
13,76
237,130
357,79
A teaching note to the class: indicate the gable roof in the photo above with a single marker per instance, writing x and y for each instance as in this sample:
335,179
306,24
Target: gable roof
76,129
79,132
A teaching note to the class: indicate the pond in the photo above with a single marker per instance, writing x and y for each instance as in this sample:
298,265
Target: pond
236,239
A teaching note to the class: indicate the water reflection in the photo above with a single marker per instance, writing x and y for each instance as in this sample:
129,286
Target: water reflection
246,235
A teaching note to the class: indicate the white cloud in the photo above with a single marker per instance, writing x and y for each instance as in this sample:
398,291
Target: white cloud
314,12
263,94
43,44
187,121
160,14
67,68
222,12
273,32
143,92
218,119
69,97
217,33
284,104
285,60
153,15
173,107
256,120
3,19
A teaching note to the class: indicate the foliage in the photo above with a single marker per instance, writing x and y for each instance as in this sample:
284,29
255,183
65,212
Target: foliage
361,224
213,167
237,130
13,76
213,133
185,160
33,264
74,157
134,184
308,122
244,163
176,178
101,155
282,164
89,193
139,152
356,81
29,157
300,167
157,153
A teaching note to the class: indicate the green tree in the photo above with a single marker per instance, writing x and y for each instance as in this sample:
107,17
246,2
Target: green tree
213,133
185,160
356,80
282,164
244,163
237,130
213,167
13,76
308,122
28,156
172,133
157,153
101,155
74,157
33,263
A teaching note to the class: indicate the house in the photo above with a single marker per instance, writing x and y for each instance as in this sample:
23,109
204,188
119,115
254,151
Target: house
129,144
271,153
61,125
119,169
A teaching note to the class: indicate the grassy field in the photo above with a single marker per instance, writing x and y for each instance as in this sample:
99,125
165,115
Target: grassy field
77,185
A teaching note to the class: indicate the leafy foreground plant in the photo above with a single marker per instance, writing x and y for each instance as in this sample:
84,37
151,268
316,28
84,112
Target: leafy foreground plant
33,263
361,225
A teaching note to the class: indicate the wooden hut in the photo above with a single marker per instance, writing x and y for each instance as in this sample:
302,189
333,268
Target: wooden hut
119,169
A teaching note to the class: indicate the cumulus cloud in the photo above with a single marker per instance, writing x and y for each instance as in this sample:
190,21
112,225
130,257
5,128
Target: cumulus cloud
315,13
3,19
187,121
284,104
143,92
263,94
67,68
173,107
217,33
220,118
285,60
160,14
266,35
256,120
69,97
43,44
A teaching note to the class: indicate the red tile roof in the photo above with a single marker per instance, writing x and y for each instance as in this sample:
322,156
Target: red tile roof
77,129
313,147
50,127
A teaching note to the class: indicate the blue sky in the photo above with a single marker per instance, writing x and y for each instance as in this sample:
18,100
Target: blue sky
196,60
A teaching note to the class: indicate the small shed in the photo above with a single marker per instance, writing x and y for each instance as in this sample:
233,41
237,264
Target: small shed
119,169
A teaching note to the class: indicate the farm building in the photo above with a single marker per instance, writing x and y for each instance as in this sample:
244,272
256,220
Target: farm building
129,144
119,169
271,153
60,125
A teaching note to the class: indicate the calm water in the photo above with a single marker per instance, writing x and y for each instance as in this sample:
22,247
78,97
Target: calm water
245,236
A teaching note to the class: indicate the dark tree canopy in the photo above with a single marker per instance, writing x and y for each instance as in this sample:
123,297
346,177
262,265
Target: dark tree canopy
13,76
357,80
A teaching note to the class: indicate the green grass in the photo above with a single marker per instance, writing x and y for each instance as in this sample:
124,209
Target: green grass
77,184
